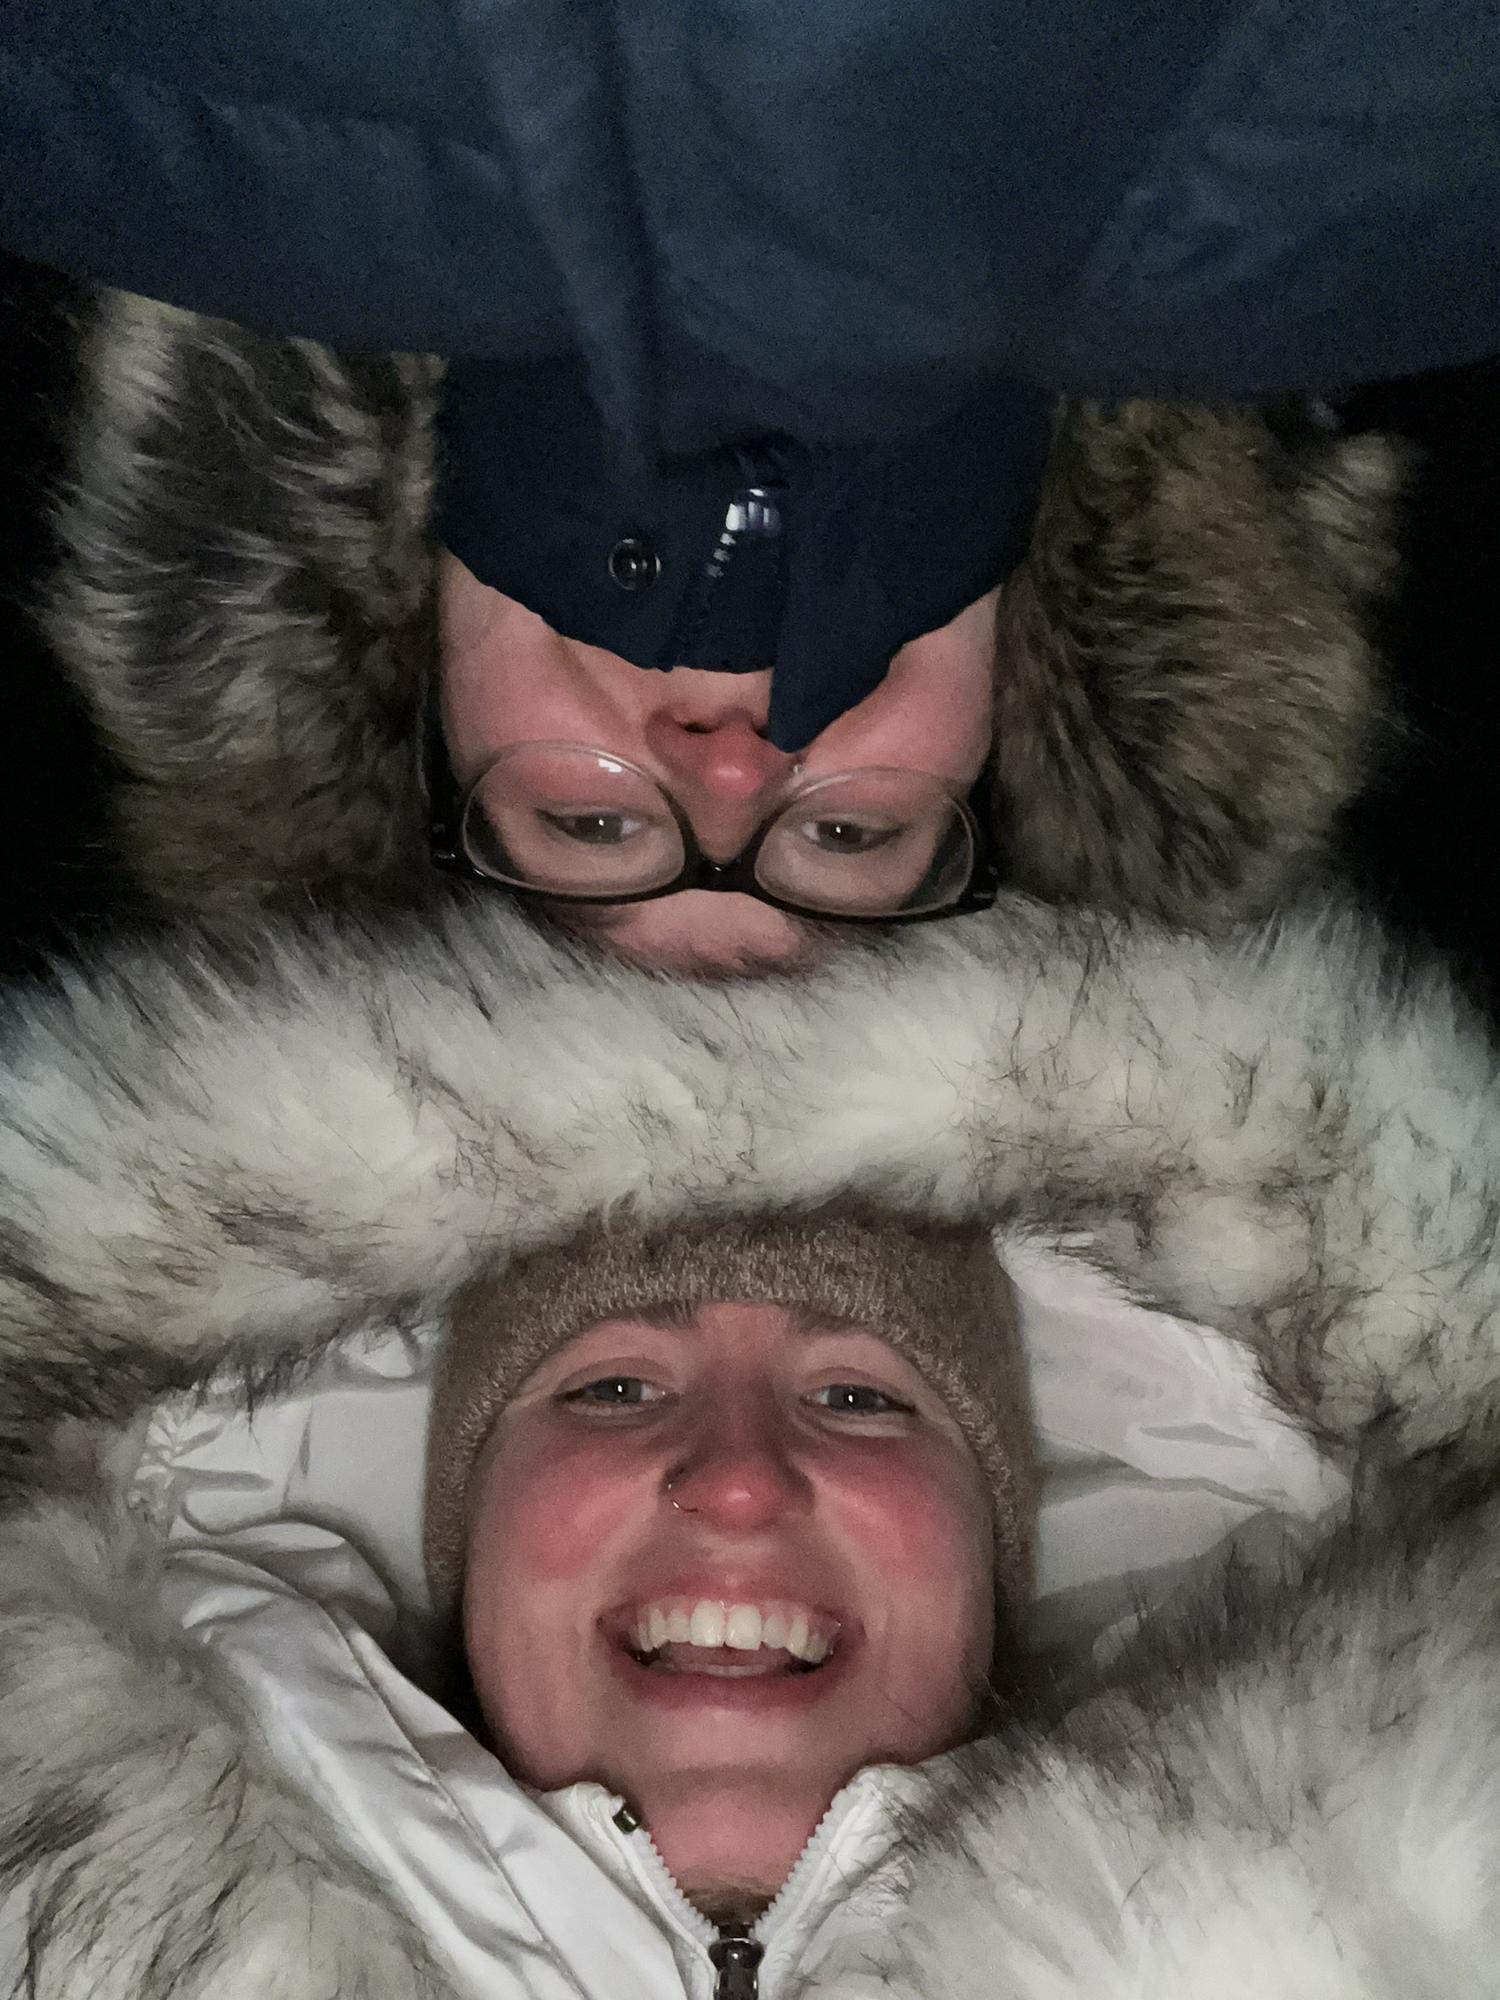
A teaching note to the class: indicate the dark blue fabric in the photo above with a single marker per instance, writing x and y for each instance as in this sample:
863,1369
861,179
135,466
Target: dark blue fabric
868,546
855,209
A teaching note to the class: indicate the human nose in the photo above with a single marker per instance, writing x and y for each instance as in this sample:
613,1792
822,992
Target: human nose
715,758
739,1473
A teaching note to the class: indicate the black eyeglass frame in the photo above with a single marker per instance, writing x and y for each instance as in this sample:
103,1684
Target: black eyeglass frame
447,802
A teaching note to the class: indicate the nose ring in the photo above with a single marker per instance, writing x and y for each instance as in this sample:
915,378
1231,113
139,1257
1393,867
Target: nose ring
677,1504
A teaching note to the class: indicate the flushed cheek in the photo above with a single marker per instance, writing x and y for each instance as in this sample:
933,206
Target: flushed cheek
557,1507
535,1687
932,712
541,1559
918,1536
920,1517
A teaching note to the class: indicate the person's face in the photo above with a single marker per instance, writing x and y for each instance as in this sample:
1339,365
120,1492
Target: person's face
508,678
719,1562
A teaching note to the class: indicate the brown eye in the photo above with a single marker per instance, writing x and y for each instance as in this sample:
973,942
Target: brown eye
570,821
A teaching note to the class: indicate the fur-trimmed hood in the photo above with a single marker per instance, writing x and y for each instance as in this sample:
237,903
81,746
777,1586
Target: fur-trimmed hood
1288,1791
213,1160
1287,1136
1187,691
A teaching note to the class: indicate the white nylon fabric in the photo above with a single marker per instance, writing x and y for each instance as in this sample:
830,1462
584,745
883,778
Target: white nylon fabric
488,1877
547,1892
293,1541
1160,1444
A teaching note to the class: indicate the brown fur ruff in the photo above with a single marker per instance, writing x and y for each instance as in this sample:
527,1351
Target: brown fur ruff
1187,690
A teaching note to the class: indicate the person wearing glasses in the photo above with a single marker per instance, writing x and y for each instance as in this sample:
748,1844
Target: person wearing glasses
621,800
340,617
702,711
699,711
886,237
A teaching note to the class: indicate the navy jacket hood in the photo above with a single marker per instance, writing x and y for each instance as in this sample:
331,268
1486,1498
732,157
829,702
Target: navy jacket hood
848,211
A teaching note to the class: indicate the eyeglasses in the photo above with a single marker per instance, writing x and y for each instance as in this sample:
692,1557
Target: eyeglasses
574,824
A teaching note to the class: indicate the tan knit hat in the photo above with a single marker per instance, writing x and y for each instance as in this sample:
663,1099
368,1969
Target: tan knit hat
933,1290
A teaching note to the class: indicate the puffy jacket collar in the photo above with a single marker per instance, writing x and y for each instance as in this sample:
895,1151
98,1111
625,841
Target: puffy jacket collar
853,1836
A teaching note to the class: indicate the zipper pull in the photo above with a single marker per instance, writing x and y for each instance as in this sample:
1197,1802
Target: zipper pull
736,1959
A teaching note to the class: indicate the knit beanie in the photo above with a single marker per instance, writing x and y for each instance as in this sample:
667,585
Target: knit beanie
934,1291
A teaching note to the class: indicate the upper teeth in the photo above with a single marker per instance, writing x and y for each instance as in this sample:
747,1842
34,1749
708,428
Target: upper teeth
705,1621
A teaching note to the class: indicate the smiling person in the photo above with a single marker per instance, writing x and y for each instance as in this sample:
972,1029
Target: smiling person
728,1526
717,705
734,1515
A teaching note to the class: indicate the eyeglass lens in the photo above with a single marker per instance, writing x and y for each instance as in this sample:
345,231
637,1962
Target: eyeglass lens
565,821
571,821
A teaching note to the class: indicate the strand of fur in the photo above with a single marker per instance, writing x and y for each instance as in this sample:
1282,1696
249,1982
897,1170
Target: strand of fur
1189,695
1294,1795
144,1852
244,600
207,1154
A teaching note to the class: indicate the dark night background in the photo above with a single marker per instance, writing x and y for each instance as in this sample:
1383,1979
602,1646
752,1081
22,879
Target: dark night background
1422,845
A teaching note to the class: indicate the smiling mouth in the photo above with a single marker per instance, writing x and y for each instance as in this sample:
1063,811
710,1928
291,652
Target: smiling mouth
729,1641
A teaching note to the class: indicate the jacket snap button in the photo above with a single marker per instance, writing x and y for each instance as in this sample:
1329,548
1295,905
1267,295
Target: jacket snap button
633,563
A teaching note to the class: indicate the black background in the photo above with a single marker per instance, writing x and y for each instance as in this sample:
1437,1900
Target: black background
1422,843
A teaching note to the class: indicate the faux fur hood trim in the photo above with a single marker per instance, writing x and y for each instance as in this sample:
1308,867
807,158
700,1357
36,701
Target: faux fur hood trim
1291,1791
154,1851
1187,691
211,1154
1187,696
217,1155
1288,1792
244,600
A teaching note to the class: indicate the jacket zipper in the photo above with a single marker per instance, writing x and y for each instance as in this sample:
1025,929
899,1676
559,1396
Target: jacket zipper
736,1961
737,1952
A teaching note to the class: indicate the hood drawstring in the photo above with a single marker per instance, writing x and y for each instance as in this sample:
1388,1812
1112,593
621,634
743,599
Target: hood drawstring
736,1959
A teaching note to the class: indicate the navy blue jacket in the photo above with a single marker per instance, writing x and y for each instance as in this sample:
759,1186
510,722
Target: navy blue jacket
824,217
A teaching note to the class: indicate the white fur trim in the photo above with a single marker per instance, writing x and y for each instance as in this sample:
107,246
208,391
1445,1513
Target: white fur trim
1298,1802
1286,1138
145,1853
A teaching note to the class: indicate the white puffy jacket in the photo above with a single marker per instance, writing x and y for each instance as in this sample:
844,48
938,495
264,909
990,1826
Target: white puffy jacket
291,1538
218,1773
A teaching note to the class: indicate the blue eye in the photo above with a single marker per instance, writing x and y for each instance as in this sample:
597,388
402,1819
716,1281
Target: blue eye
614,1392
858,1399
